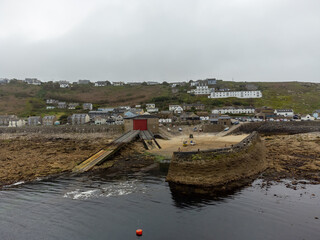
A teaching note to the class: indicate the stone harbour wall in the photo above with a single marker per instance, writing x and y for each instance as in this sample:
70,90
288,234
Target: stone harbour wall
219,168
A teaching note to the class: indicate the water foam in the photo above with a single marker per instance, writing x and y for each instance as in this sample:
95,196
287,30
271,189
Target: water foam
112,189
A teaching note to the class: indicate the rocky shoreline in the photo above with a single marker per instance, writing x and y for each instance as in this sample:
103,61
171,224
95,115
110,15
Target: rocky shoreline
26,157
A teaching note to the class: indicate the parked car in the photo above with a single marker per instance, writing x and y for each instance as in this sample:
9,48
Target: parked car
226,129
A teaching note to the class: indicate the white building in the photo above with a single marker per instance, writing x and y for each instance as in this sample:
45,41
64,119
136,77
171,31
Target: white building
165,120
152,83
202,90
64,84
307,118
33,81
234,110
150,105
118,83
236,94
17,123
175,108
284,112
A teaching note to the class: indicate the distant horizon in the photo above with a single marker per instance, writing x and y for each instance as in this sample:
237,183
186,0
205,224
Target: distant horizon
159,81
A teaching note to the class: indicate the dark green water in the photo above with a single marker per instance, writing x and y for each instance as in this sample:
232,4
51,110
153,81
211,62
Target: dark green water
96,207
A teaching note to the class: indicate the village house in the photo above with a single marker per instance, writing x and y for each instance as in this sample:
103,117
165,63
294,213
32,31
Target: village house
99,120
87,106
101,83
264,113
234,110
49,120
135,83
193,106
151,108
102,114
51,101
166,117
72,106
50,107
152,83
117,83
106,109
284,112
34,120
4,81
5,119
64,84
316,114
17,123
32,81
133,112
201,90
176,109
189,117
211,81
79,118
307,117
84,81
220,120
236,94
62,105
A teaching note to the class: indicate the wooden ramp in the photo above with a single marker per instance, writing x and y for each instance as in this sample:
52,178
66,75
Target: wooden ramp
104,154
148,140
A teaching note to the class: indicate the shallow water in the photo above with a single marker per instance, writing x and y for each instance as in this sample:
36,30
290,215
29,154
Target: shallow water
97,207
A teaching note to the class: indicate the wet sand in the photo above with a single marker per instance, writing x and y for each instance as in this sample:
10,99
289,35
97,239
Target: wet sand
203,141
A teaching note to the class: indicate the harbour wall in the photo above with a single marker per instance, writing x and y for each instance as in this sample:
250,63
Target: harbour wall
269,128
222,168
112,129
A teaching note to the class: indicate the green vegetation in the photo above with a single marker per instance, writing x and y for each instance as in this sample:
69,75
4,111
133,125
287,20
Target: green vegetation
24,100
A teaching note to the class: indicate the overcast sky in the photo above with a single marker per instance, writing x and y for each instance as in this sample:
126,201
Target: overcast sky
160,40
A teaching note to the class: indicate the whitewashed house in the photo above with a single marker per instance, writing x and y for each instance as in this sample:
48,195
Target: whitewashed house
64,84
165,120
201,90
176,109
99,120
307,117
118,83
284,112
33,81
17,123
236,94
234,110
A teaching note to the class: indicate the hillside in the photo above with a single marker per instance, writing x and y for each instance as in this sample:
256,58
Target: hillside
23,100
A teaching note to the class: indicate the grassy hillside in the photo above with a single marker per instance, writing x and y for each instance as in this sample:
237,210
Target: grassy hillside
23,100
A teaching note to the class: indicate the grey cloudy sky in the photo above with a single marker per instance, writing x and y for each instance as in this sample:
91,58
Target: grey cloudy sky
161,40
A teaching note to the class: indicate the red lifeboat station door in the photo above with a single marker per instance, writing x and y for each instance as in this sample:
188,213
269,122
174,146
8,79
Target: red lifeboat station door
140,124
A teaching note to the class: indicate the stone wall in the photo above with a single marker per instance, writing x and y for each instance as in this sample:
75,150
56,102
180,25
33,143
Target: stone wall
212,128
280,127
219,168
112,129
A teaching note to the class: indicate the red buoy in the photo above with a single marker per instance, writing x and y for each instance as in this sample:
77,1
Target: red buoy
139,232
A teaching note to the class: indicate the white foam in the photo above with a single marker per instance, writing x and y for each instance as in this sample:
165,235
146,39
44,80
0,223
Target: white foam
109,190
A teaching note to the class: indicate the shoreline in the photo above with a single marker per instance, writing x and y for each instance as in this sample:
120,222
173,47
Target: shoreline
26,157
